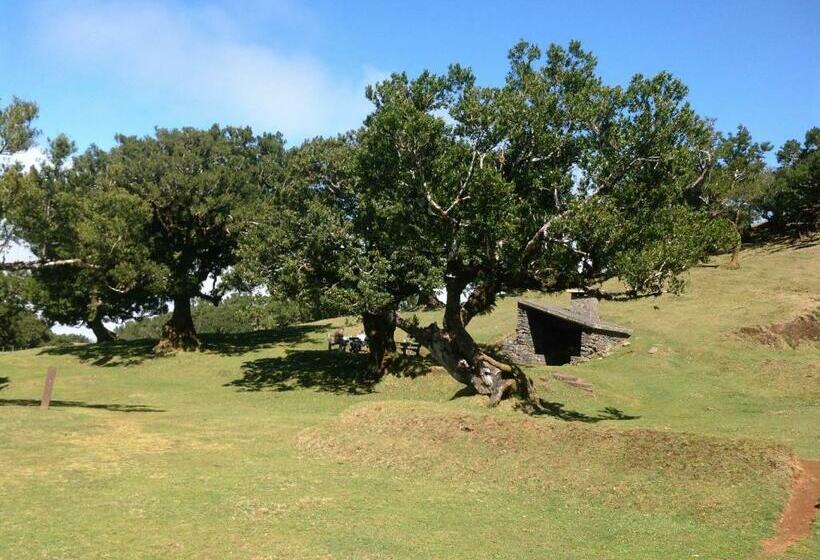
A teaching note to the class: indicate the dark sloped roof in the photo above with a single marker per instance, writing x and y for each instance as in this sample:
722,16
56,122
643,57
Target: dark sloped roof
572,316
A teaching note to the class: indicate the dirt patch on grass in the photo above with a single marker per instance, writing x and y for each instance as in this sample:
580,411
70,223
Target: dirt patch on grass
801,509
791,334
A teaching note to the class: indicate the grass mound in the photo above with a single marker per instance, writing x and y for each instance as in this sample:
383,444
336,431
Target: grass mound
709,478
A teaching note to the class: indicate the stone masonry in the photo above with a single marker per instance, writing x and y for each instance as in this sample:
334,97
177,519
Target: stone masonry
550,334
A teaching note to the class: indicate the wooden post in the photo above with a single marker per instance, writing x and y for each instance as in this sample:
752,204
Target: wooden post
49,386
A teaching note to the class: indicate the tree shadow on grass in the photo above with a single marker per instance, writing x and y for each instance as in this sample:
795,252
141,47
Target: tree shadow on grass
120,353
334,372
557,410
78,404
241,343
773,242
109,354
410,366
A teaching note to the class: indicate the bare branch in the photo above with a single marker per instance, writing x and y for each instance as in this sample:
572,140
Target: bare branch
532,245
435,208
214,298
707,165
16,266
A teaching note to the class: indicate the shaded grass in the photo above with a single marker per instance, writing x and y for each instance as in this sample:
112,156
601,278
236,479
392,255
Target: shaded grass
335,372
78,404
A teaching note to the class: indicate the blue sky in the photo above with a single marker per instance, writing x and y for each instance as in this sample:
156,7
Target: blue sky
100,67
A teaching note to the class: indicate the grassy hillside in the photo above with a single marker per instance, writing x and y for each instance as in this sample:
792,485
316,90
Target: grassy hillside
263,447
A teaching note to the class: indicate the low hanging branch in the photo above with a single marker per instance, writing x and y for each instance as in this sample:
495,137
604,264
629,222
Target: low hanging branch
19,266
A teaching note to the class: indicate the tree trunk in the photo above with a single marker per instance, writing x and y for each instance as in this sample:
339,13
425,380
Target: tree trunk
100,332
454,348
734,262
380,329
95,321
179,332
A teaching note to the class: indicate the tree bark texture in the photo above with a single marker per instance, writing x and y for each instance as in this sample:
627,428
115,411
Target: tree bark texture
454,349
380,329
100,332
179,332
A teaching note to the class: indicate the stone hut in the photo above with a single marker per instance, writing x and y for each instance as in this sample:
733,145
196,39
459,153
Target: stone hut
554,335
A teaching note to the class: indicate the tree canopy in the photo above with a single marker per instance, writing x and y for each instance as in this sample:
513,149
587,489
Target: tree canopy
197,190
739,184
553,180
87,238
794,202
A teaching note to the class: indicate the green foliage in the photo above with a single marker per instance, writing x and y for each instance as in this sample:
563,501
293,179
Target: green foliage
20,327
301,244
795,199
740,182
68,213
555,179
199,189
16,132
149,221
66,339
236,314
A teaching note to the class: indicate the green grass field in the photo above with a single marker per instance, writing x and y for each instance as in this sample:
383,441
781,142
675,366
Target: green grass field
263,447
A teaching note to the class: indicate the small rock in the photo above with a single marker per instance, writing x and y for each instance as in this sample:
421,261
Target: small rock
626,343
653,350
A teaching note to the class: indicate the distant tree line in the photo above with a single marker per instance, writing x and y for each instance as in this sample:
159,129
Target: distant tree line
552,180
236,314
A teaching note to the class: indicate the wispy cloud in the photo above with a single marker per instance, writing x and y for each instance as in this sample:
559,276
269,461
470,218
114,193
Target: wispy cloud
199,59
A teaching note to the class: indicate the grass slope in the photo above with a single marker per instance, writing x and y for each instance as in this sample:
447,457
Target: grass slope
262,446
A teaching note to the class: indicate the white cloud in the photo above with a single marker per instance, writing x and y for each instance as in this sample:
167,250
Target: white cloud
196,58
34,156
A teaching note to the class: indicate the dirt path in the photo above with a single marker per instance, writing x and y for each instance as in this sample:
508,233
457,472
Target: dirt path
804,499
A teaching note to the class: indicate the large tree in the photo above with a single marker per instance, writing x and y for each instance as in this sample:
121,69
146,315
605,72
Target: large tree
200,188
794,202
20,327
88,240
739,184
322,242
16,134
554,180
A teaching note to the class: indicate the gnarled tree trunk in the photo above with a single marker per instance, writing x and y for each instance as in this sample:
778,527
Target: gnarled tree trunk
100,332
454,348
734,261
95,321
179,332
380,329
